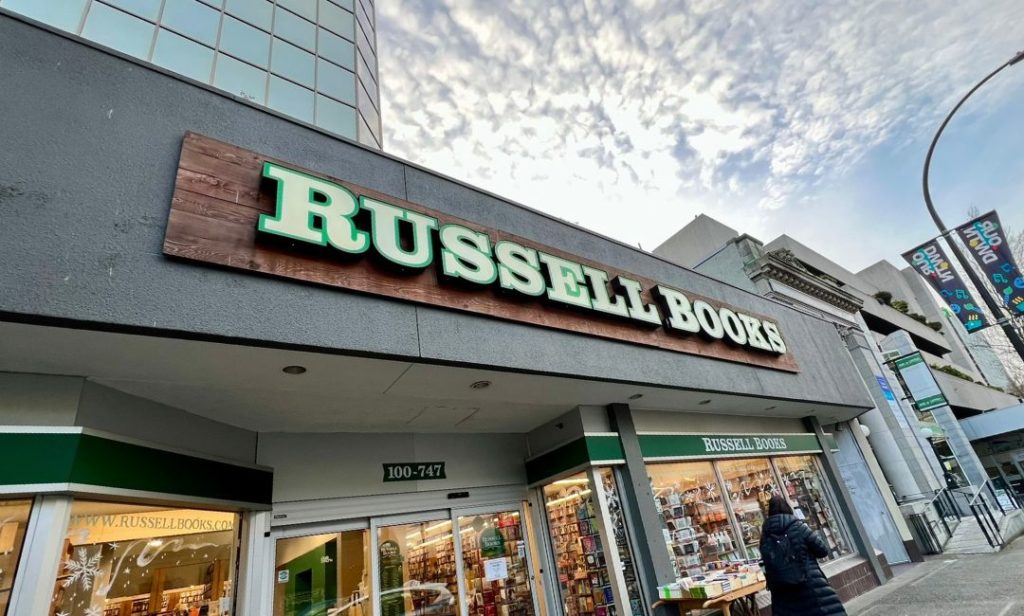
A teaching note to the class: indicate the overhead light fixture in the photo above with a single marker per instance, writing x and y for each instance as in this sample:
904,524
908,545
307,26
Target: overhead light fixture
636,396
294,369
480,385
703,402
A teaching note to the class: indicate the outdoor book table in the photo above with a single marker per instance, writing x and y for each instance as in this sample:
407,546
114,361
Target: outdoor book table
741,599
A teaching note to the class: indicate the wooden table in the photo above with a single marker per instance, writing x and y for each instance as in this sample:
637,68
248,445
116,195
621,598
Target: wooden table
744,595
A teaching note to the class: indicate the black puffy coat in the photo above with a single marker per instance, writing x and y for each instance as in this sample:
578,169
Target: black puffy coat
814,597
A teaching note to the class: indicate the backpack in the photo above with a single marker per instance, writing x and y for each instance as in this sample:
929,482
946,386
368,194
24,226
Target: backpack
783,561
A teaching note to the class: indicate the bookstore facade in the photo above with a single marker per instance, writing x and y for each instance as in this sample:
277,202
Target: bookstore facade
250,368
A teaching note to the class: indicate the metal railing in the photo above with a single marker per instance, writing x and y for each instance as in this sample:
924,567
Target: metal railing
944,506
983,503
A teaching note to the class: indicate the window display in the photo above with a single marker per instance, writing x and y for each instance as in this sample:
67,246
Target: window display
321,574
13,521
804,488
618,527
418,573
749,483
496,570
696,524
122,560
583,576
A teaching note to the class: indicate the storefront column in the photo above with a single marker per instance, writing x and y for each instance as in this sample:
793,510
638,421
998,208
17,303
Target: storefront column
256,570
860,535
40,556
649,550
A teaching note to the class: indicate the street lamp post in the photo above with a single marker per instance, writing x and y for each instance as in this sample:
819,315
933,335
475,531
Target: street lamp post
1011,333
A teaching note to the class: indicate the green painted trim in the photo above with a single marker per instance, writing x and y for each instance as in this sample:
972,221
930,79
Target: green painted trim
583,451
61,458
725,445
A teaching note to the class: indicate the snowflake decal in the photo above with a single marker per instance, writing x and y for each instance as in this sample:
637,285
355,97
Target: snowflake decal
83,568
94,611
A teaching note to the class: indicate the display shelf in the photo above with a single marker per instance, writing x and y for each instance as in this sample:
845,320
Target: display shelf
582,570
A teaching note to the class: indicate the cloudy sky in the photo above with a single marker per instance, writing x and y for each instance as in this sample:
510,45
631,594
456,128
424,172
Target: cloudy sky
805,117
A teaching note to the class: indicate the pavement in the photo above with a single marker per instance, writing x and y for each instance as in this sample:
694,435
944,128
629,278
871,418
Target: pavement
960,585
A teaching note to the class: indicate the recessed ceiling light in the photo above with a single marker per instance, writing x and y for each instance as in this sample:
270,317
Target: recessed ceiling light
294,369
480,385
703,402
636,396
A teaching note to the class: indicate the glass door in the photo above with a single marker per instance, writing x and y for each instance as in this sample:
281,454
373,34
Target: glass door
417,567
496,564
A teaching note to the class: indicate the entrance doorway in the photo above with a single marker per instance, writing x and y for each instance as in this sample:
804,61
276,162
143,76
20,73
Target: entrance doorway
454,562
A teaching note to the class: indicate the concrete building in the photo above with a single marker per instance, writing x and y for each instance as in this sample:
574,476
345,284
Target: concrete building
249,367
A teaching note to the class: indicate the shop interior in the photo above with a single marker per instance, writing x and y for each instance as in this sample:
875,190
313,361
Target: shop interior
13,521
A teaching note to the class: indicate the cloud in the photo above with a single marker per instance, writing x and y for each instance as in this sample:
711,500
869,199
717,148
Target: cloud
738,109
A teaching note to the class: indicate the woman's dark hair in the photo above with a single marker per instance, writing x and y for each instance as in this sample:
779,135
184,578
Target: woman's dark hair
778,504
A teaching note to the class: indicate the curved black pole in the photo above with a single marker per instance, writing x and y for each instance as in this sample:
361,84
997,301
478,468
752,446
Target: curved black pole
994,307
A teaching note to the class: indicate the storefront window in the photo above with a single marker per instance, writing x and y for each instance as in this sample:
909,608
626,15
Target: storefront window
804,487
618,527
418,573
13,520
697,526
583,576
323,574
130,559
496,570
749,483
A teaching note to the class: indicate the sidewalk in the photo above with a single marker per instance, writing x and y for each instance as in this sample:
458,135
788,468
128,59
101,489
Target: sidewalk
962,585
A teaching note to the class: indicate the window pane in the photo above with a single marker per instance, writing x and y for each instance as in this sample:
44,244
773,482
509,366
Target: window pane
245,42
749,484
183,56
64,15
291,99
118,30
344,3
192,19
306,8
337,49
339,20
486,539
417,569
323,574
134,559
618,526
217,4
289,61
805,489
147,9
240,79
295,29
336,82
257,12
690,502
13,522
335,117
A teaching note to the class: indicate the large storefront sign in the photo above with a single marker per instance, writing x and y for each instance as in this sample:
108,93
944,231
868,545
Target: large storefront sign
918,377
235,208
988,243
676,446
930,260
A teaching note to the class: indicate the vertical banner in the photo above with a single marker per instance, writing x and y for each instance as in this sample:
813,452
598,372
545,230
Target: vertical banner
929,259
987,242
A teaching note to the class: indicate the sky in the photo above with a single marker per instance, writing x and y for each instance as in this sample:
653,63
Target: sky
804,117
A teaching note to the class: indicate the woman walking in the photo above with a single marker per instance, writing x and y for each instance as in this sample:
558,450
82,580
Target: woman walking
791,550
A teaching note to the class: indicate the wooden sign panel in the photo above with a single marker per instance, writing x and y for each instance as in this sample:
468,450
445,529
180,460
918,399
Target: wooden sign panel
225,199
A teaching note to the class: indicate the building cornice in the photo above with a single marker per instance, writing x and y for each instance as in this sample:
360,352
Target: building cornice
783,266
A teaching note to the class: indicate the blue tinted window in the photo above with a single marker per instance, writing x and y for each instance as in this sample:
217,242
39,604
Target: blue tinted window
148,9
183,56
344,4
291,99
291,62
193,19
306,8
295,29
64,15
338,20
245,42
335,117
214,3
118,30
337,49
240,79
257,12
336,82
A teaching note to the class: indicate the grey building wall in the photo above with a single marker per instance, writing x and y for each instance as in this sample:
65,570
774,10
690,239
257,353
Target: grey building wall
86,177
696,241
